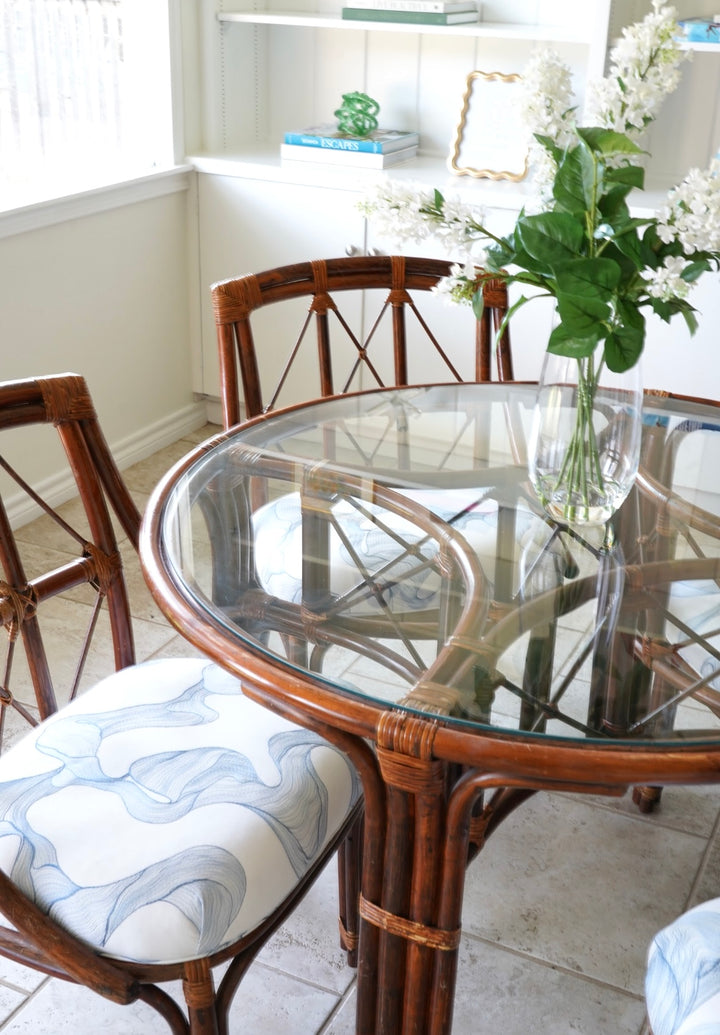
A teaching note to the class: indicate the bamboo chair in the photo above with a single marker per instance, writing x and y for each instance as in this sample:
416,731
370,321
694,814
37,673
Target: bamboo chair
318,341
138,844
346,359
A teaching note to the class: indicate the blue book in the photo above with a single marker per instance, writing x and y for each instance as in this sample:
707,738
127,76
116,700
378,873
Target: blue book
703,29
379,142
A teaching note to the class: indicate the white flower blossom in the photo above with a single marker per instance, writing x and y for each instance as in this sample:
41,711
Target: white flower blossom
546,108
691,214
666,282
403,212
395,208
460,286
644,69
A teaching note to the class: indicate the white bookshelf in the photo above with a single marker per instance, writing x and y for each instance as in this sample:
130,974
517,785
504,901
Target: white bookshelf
282,66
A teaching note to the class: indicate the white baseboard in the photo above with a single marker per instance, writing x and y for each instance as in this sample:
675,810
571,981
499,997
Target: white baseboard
57,488
148,440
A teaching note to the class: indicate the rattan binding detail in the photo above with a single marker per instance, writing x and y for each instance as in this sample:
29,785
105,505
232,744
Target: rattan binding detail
66,399
16,607
348,939
411,930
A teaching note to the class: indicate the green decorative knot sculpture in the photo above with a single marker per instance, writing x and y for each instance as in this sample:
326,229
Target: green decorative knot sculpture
356,116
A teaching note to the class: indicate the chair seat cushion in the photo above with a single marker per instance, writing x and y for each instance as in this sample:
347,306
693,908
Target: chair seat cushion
162,815
375,544
682,983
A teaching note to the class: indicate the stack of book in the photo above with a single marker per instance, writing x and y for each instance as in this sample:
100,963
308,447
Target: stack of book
377,150
700,29
414,12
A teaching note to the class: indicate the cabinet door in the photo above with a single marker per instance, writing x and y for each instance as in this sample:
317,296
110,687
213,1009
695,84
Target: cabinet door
251,225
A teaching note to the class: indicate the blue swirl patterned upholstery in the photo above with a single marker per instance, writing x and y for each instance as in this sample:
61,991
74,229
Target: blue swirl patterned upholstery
278,546
682,983
163,814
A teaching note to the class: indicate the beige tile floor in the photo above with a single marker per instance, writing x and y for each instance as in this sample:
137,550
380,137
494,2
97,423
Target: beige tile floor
559,910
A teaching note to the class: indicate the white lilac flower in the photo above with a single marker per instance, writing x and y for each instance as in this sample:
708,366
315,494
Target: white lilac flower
691,214
666,282
546,108
407,213
396,207
546,104
644,69
460,286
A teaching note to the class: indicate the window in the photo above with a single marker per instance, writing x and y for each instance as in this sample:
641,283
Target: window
85,96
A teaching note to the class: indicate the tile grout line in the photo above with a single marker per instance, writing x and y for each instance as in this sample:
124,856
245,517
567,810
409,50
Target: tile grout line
29,996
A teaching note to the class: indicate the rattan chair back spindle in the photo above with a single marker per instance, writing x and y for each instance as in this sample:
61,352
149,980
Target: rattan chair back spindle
351,346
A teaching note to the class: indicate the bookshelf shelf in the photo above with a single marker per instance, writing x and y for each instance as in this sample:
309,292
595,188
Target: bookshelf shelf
481,30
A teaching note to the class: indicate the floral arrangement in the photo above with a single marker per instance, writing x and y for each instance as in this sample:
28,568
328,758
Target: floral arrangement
580,245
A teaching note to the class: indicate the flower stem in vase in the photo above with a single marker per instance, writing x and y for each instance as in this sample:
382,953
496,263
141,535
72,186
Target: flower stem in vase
583,454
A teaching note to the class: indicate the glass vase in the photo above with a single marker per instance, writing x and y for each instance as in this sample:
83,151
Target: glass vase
585,440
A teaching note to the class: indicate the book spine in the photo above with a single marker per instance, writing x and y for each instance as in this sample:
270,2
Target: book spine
334,143
409,17
359,159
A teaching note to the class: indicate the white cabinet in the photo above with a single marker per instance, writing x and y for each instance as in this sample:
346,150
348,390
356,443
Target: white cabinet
267,66
247,225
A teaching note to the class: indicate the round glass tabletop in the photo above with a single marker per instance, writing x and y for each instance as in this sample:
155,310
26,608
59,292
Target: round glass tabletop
390,545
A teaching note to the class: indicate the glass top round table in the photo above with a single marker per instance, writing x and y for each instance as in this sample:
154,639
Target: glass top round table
377,567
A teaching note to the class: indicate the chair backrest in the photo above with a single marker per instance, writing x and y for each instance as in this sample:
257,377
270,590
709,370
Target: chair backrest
347,359
51,644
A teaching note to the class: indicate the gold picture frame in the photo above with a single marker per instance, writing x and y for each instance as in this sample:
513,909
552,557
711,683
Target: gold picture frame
487,142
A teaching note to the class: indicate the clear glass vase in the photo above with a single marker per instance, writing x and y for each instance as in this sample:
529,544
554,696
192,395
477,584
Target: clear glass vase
585,440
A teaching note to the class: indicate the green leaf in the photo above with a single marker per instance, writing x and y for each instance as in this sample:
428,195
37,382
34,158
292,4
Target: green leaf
690,319
478,303
573,186
694,270
632,176
612,206
607,142
624,252
662,309
666,310
550,238
561,343
582,317
588,278
628,244
500,255
624,344
550,146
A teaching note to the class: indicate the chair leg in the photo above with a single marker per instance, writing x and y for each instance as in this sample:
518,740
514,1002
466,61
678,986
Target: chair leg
199,992
646,798
349,868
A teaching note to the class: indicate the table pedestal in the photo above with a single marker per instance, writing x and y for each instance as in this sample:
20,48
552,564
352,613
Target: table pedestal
413,883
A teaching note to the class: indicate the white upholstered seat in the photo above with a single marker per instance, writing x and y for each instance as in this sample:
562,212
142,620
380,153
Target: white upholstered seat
682,983
163,814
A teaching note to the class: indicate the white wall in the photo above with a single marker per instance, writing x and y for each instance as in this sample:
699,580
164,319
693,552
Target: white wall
112,296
